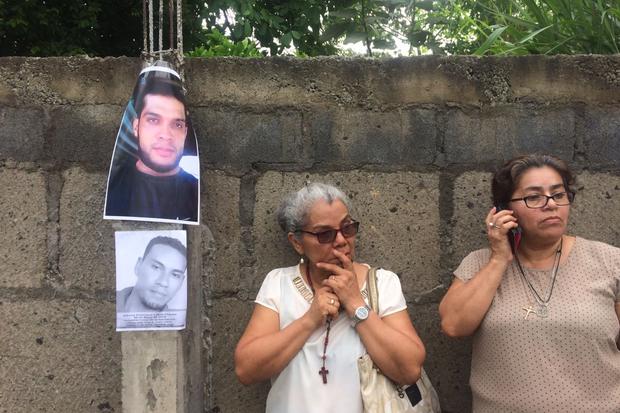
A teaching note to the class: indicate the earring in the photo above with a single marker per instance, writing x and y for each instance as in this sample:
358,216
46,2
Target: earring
301,259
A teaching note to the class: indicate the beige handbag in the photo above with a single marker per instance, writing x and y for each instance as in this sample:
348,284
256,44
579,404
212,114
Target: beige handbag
379,393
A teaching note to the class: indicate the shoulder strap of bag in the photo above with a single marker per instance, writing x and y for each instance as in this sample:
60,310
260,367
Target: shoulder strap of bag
373,294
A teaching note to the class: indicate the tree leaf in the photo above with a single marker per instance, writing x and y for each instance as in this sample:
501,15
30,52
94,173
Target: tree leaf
489,41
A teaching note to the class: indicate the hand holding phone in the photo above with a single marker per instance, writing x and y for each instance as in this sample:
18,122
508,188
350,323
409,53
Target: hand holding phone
514,235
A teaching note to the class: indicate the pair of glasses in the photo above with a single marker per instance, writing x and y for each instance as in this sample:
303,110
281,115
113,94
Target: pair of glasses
328,236
541,201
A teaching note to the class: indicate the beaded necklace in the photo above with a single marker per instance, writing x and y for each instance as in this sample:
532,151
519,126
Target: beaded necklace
323,371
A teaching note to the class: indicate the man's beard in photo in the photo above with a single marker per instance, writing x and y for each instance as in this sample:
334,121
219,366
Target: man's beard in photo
153,305
144,157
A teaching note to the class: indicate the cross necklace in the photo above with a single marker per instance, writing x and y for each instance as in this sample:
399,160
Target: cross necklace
541,309
323,371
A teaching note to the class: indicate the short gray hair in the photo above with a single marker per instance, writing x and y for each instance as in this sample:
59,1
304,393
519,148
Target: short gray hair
294,208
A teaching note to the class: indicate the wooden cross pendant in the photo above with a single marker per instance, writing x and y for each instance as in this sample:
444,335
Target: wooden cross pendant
324,372
528,310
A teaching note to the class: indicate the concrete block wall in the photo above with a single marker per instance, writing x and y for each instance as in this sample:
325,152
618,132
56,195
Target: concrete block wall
412,141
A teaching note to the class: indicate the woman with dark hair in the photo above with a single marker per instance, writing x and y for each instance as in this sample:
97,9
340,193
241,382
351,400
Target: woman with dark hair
543,306
312,321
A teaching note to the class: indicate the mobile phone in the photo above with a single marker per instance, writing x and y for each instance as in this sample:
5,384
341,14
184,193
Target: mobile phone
514,235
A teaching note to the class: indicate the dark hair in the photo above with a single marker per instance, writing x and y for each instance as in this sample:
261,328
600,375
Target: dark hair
157,86
507,177
169,241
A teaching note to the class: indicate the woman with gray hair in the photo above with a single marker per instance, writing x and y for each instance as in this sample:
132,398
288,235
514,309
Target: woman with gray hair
312,321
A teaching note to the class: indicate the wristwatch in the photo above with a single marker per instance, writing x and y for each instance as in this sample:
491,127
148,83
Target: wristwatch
361,314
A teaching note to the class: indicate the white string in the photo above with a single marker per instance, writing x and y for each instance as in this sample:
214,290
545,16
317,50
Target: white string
180,29
175,55
161,29
151,46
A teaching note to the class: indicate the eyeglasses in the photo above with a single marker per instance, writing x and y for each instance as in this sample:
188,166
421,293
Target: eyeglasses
541,201
328,236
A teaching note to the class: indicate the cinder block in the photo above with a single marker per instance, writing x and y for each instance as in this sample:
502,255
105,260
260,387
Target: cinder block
23,219
425,79
447,360
7,94
562,78
472,201
108,80
399,223
69,80
87,257
59,356
84,134
220,212
346,137
238,140
601,133
22,133
229,318
281,81
595,214
488,135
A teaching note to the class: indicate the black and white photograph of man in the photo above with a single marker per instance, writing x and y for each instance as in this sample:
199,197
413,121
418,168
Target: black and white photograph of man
155,147
151,272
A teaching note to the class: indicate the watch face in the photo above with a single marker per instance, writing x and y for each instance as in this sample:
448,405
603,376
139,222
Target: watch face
361,313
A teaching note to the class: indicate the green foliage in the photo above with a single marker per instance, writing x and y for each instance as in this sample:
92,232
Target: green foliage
548,26
276,25
69,27
317,27
216,44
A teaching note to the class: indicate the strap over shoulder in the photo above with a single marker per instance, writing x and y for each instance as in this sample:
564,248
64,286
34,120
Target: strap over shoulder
373,293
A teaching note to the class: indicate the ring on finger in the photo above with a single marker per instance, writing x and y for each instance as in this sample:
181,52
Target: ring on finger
494,225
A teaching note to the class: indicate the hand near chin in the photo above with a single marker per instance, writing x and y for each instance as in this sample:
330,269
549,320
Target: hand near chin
343,282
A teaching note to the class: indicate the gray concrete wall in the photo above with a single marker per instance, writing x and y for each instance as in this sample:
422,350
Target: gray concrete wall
413,141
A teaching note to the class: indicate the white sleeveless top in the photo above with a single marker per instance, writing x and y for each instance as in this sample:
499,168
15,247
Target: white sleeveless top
299,387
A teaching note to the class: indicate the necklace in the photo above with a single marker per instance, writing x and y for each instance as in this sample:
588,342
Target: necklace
323,371
541,309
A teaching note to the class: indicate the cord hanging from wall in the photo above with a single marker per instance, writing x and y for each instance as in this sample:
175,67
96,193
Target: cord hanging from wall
170,51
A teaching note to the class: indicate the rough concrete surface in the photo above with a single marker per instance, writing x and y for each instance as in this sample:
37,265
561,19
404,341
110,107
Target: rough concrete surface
59,356
35,81
22,133
229,318
230,138
345,137
472,202
482,136
595,213
23,222
86,133
447,360
86,258
220,212
151,363
601,133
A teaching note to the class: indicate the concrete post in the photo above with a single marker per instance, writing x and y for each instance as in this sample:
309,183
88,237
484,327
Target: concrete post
156,377
153,372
